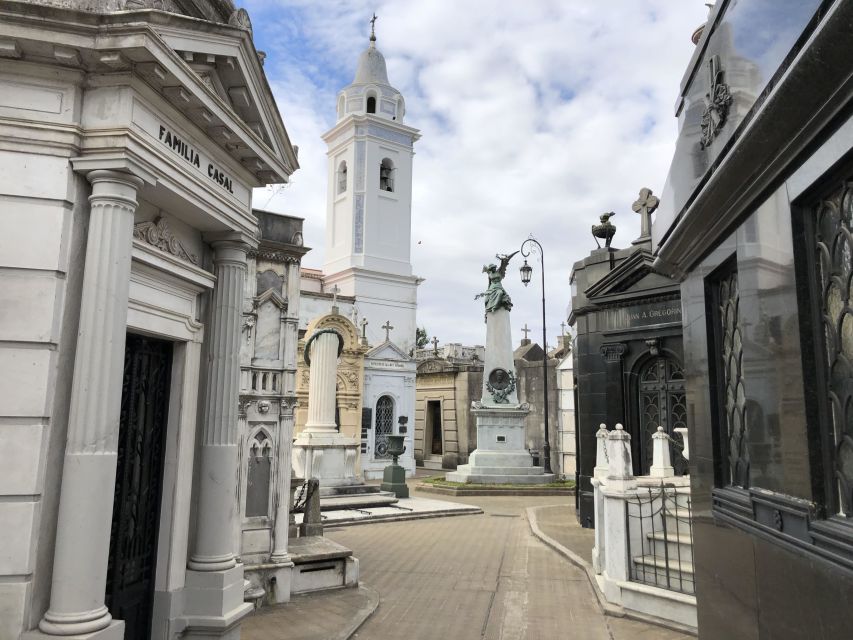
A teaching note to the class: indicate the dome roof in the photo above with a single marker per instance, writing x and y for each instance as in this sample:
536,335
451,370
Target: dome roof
371,67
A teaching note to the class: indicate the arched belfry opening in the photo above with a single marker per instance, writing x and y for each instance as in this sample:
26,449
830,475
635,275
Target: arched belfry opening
386,175
371,104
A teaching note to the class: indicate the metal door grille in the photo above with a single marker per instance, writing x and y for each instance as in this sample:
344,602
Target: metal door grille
384,426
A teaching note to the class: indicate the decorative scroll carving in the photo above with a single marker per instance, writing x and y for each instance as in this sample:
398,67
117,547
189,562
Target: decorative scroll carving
613,352
274,256
717,103
158,234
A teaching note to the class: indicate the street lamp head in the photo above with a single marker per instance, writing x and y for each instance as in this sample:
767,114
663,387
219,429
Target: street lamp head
526,272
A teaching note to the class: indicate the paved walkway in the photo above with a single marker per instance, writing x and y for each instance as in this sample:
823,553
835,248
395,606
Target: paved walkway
472,577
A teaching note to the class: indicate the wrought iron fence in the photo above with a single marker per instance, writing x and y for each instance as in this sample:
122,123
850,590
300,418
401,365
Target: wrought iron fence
660,538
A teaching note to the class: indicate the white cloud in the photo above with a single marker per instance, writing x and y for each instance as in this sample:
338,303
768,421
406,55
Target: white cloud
536,117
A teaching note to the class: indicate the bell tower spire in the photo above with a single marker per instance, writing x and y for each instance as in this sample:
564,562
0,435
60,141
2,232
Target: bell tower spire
369,198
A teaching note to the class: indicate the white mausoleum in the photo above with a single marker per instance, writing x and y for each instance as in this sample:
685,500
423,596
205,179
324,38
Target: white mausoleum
368,269
131,141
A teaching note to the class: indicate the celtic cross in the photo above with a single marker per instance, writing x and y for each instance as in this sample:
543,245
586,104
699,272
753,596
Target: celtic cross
645,205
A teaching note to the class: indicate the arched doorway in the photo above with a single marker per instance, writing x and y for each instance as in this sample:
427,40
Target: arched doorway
662,403
384,426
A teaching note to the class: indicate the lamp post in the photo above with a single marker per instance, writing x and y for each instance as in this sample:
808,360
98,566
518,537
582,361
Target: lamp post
526,272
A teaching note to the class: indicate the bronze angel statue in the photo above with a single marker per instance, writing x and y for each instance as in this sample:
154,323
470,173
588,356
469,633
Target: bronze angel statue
496,296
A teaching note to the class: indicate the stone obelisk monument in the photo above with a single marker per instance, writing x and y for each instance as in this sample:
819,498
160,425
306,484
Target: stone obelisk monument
320,451
501,456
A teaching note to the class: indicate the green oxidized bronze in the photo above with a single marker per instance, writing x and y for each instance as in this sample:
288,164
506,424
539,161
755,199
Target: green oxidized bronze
500,384
496,296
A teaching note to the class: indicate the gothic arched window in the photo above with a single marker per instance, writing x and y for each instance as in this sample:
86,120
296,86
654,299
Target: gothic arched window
384,426
258,475
342,176
386,175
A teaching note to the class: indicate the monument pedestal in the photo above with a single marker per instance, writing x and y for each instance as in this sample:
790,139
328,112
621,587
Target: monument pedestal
329,457
500,457
394,480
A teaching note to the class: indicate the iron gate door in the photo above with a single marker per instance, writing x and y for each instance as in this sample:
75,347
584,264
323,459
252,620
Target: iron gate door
139,479
662,403
384,426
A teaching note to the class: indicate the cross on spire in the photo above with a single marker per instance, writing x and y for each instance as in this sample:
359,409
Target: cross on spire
373,28
335,291
387,326
525,330
434,345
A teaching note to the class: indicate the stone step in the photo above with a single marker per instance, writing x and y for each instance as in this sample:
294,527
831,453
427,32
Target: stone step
677,545
319,564
432,462
360,501
651,569
478,478
349,490
511,471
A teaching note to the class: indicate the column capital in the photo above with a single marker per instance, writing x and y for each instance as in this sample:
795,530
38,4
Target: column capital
115,187
239,240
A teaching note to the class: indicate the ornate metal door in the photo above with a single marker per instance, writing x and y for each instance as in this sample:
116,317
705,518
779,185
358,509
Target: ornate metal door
139,479
384,426
662,403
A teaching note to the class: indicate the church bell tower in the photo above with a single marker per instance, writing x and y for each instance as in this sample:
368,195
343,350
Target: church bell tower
369,201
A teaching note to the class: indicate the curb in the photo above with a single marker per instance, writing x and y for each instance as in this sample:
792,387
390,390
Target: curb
361,616
606,607
498,491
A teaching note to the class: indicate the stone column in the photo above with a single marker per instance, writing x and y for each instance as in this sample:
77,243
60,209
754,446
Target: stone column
282,507
88,476
322,382
217,499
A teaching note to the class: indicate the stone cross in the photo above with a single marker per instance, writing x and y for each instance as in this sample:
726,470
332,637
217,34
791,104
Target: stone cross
364,324
525,330
387,326
562,328
645,205
335,291
434,345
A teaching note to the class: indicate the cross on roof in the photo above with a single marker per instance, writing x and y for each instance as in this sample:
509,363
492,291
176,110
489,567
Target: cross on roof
364,324
562,328
525,330
434,345
373,27
387,326
335,291
645,205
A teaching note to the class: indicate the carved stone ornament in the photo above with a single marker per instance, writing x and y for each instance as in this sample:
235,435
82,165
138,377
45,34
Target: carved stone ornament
500,384
263,406
613,352
240,18
158,234
605,230
653,345
274,256
717,103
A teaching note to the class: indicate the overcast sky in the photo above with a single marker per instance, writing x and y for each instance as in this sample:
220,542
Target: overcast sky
536,117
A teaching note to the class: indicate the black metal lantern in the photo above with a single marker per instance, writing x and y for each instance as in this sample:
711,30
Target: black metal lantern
526,273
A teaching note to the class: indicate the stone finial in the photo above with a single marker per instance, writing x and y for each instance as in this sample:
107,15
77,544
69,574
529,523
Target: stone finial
621,471
661,463
601,463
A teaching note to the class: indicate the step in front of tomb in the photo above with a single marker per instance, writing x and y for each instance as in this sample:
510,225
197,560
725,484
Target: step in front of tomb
365,501
318,564
503,478
676,546
673,574
432,462
349,490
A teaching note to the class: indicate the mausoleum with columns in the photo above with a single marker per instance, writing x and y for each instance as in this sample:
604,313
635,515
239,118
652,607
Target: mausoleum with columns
131,141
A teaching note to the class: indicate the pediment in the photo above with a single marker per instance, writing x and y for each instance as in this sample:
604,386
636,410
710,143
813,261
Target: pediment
272,296
633,275
387,351
436,365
